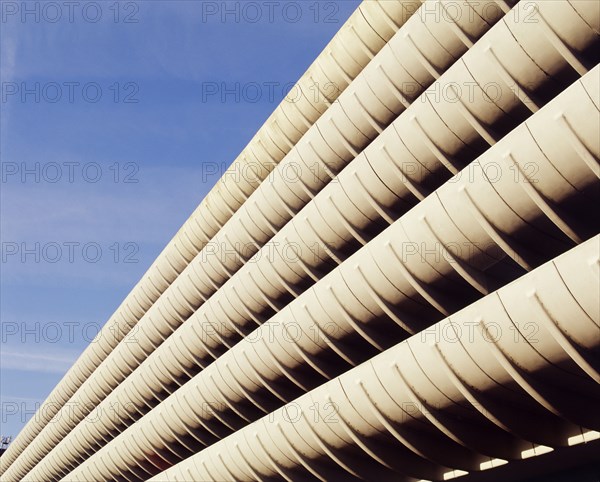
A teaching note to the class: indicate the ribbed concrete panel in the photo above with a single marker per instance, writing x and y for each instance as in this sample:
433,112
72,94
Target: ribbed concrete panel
162,367
433,260
281,259
345,214
207,272
387,63
357,42
511,376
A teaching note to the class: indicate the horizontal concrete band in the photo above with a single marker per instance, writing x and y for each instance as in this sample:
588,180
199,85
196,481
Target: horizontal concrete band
510,376
516,210
381,294
357,42
148,387
206,273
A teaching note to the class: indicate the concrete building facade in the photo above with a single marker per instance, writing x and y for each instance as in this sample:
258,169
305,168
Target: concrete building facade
406,286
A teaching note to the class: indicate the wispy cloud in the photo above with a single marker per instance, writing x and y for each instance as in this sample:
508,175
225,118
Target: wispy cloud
8,52
5,397
8,60
140,218
29,360
172,133
103,210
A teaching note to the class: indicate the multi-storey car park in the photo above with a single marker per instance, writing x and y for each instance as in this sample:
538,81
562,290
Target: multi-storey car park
420,301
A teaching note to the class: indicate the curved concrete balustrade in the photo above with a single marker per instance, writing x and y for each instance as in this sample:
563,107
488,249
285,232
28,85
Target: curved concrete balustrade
433,260
449,250
175,353
357,42
207,273
345,214
510,376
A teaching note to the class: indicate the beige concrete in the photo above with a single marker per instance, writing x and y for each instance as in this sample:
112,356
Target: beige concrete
359,39
194,345
384,278
471,391
331,134
377,255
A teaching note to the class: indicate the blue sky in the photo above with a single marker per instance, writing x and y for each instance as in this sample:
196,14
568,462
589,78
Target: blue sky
109,140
